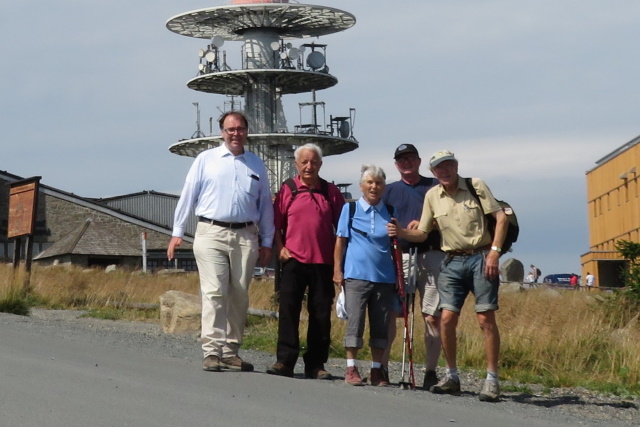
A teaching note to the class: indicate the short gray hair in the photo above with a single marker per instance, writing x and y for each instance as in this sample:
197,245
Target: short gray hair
373,171
308,146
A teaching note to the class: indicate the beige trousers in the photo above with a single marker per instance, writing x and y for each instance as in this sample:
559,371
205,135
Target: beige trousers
226,258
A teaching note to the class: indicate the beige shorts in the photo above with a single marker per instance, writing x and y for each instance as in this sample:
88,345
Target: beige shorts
427,268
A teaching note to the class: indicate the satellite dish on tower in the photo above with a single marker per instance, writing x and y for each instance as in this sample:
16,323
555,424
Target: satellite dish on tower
293,53
275,45
315,60
210,56
345,129
217,41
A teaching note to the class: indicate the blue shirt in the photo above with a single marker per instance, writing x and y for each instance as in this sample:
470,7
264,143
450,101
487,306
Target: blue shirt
227,188
409,200
368,256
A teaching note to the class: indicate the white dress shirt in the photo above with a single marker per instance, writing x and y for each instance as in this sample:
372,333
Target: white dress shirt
224,187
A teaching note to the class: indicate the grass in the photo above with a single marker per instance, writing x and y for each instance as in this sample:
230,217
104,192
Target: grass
555,338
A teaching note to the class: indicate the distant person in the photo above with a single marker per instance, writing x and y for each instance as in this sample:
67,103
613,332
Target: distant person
305,220
407,196
529,278
470,265
368,276
536,273
591,281
229,189
573,280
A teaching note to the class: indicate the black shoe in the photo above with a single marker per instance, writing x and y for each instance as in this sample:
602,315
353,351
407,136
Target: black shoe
430,379
280,369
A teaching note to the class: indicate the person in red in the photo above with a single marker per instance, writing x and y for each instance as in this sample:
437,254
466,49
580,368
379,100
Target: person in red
306,212
573,281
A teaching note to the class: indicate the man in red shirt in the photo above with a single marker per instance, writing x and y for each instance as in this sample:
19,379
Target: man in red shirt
306,211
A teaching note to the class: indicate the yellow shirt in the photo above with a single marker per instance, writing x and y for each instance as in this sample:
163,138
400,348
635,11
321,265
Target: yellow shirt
459,217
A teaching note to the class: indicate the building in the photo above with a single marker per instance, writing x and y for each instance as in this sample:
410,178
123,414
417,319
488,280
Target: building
613,200
98,232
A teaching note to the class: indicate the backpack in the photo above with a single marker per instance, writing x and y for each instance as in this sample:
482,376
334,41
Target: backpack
513,229
324,189
538,272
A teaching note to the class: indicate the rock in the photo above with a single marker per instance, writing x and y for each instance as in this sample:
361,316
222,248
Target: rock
180,312
511,287
512,270
110,268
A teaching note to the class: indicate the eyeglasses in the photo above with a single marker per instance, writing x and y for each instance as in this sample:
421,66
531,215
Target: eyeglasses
405,159
231,131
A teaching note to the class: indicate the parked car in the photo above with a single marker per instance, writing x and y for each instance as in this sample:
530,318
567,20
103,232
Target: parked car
258,272
558,279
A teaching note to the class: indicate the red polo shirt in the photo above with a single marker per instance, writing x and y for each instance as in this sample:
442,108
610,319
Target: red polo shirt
308,223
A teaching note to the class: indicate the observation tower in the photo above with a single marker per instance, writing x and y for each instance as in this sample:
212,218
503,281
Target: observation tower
270,66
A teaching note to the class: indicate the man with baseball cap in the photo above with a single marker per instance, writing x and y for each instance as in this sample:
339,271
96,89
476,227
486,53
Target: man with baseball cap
470,264
407,196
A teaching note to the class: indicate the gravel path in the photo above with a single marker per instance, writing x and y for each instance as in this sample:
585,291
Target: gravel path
577,405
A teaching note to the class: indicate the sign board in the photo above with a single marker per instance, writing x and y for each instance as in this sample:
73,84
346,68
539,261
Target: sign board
23,203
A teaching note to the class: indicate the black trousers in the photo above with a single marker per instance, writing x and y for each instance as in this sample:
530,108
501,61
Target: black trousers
296,278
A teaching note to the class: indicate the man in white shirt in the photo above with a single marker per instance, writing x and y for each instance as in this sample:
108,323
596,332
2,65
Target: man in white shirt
229,189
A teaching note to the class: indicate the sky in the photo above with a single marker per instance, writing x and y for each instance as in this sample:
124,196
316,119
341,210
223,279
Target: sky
528,95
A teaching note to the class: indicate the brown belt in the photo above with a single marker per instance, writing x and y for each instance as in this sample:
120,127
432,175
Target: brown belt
467,252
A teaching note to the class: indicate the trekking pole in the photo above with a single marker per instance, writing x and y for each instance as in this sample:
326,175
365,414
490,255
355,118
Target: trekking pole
408,375
406,350
413,268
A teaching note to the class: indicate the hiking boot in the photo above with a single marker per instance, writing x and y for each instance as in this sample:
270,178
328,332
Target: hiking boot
317,374
280,369
490,392
385,373
447,385
211,363
376,378
235,363
352,377
430,379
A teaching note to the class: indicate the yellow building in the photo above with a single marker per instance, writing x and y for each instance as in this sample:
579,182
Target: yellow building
614,212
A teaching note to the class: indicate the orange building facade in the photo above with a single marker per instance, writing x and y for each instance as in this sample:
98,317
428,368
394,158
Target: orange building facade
613,196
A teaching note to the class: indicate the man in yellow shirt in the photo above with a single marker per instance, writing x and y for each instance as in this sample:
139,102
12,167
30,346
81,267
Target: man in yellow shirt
471,263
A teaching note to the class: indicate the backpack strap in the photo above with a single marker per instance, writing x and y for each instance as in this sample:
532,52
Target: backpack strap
473,192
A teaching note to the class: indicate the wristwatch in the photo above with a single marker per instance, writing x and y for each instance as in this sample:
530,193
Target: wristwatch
495,248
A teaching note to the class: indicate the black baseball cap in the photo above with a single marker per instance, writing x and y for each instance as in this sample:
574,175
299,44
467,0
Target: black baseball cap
405,149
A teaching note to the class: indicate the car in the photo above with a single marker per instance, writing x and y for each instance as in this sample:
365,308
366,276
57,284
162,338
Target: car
258,272
557,279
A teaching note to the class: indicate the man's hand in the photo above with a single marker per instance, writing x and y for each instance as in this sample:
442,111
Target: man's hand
413,225
174,243
491,269
264,256
284,254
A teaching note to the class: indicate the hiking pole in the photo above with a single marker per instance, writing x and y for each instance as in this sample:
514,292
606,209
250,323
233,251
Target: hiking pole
397,257
408,380
413,276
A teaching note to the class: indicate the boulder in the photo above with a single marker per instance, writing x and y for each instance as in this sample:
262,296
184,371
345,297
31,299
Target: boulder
180,312
512,270
511,287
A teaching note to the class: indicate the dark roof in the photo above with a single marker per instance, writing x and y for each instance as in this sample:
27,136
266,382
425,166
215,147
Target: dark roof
91,238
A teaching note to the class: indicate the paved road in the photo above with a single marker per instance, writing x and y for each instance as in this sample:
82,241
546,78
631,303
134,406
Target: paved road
57,376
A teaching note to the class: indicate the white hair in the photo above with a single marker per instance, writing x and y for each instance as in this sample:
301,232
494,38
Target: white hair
372,171
308,146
